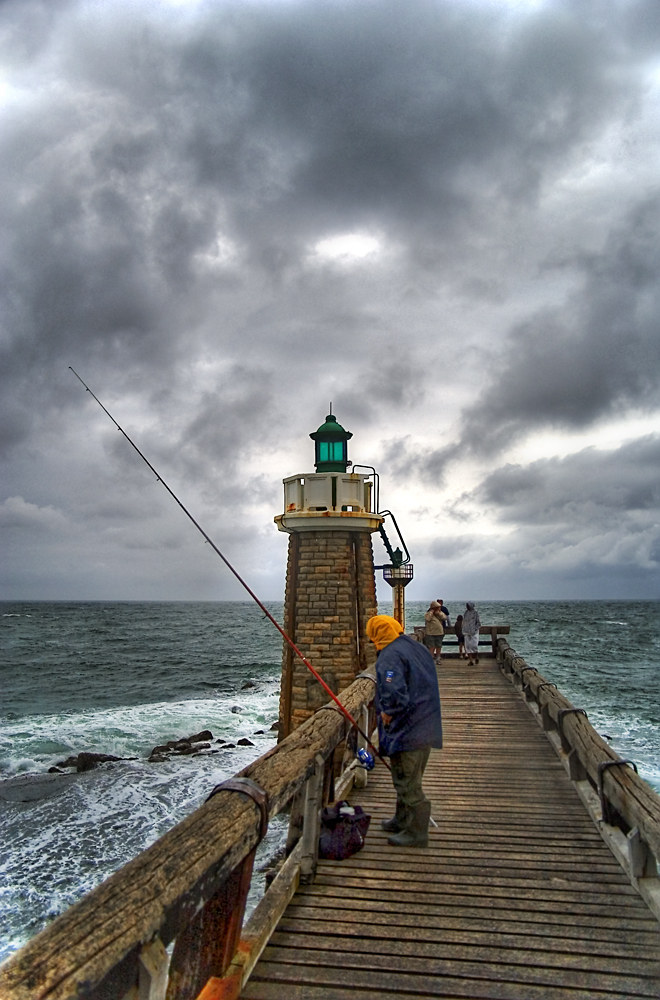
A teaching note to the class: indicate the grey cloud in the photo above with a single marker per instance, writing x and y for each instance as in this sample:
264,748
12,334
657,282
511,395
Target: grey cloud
451,547
601,351
588,487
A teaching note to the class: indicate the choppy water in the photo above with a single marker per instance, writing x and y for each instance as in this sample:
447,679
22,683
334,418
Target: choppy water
122,678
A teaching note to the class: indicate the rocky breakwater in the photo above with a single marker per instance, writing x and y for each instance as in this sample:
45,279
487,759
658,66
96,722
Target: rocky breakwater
194,746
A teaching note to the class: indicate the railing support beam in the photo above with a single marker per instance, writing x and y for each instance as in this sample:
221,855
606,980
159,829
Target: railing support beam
208,943
312,822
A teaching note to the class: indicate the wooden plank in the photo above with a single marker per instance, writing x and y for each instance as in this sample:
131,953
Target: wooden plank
537,921
299,979
392,964
376,952
448,930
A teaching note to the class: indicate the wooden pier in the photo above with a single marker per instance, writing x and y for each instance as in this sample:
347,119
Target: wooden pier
539,883
516,896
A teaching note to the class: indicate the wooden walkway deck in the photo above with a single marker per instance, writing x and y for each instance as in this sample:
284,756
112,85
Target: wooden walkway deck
516,897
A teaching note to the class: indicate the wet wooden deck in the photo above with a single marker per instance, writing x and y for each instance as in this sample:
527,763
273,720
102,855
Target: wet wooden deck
516,897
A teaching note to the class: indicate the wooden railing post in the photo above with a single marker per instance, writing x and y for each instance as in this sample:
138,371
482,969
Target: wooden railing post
153,968
640,857
312,822
207,945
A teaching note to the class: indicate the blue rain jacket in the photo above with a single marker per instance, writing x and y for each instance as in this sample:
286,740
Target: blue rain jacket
407,689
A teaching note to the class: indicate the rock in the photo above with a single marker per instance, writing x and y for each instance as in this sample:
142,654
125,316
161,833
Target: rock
32,787
244,742
157,758
258,732
221,741
69,762
158,750
202,737
88,761
55,770
246,685
236,709
229,746
275,725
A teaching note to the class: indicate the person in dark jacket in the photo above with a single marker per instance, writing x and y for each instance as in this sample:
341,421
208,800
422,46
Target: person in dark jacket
409,724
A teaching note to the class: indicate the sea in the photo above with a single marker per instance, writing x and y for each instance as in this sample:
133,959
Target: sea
121,678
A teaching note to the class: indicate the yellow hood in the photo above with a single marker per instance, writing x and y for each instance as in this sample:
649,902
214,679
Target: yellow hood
382,630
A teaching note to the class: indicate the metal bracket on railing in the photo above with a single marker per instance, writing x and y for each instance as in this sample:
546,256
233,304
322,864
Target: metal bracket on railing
367,676
250,788
546,684
565,745
604,765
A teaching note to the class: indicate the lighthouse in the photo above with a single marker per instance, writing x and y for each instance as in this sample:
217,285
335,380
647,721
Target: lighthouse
330,587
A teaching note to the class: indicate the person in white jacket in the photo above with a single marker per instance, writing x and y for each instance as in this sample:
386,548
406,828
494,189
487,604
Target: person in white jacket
471,626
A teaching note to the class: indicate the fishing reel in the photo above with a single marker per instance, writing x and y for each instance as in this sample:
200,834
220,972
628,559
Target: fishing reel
365,758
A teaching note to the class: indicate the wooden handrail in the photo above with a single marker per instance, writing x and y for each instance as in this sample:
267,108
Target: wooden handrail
97,947
633,799
484,629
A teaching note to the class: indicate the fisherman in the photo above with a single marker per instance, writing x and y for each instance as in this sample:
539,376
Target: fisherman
409,724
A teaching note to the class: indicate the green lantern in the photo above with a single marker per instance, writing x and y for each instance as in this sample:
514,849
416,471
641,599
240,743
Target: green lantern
331,449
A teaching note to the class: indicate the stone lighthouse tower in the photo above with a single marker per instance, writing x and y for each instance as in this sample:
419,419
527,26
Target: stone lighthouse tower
330,586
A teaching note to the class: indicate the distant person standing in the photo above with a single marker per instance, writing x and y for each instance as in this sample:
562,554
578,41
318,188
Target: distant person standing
471,626
435,630
460,637
445,611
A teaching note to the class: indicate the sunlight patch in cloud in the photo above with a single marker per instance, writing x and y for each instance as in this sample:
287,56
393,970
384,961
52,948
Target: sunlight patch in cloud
347,248
608,436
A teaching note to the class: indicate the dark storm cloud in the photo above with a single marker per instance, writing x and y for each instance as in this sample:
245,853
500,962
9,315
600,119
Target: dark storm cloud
272,122
587,525
589,487
599,353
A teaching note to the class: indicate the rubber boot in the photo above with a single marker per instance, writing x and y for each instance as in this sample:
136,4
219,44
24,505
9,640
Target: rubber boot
416,833
398,821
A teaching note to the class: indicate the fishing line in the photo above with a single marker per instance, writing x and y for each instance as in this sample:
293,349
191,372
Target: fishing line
240,579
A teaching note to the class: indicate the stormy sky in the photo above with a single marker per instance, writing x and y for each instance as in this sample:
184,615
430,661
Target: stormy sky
440,215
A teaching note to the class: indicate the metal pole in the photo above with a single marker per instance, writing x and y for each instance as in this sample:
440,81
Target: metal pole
399,603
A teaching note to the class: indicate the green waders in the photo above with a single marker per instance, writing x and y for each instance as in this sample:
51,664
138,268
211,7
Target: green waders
411,823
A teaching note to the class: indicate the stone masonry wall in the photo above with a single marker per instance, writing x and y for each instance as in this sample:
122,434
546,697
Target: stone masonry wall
330,595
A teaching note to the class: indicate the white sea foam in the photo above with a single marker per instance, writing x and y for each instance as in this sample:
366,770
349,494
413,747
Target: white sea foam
38,742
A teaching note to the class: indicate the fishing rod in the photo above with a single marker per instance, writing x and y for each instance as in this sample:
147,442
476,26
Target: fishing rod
240,579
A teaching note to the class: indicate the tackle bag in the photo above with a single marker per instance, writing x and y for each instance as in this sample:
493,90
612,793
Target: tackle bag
343,831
